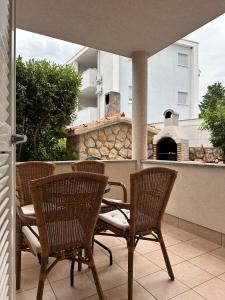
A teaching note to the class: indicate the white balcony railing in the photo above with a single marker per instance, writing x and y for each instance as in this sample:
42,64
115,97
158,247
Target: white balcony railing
89,81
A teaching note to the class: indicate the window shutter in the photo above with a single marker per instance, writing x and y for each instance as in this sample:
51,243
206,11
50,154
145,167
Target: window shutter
7,232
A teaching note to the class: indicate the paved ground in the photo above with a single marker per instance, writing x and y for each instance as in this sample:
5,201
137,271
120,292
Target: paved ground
198,265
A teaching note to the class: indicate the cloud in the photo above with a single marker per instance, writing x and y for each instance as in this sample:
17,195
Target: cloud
211,39
30,45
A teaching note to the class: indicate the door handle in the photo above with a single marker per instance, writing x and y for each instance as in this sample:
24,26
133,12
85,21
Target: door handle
18,138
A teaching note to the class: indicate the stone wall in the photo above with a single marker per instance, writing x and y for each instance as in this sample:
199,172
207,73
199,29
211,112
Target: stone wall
111,142
202,154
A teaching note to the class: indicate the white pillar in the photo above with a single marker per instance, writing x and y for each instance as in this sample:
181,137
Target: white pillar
139,105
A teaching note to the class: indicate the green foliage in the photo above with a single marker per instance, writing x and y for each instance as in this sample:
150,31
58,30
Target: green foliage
46,97
213,113
214,93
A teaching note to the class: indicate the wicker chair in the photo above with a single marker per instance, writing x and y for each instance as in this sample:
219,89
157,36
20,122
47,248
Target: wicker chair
66,208
89,166
25,172
150,191
99,168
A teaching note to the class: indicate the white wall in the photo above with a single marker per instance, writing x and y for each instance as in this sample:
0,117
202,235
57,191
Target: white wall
191,130
198,193
165,79
86,115
106,70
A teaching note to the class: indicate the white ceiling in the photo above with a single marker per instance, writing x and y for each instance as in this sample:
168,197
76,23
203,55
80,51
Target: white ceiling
117,26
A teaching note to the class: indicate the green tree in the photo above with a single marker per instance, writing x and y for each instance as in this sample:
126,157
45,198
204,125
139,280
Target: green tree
213,113
46,98
214,93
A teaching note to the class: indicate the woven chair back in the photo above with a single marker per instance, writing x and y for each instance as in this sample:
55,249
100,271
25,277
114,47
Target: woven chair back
66,208
150,191
25,172
89,166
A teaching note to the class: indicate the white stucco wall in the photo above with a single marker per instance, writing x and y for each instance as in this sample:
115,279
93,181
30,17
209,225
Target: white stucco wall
106,71
85,115
191,131
165,79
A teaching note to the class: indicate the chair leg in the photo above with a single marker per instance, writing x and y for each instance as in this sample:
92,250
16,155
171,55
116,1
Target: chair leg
107,249
18,269
95,276
72,272
79,261
130,271
165,255
42,277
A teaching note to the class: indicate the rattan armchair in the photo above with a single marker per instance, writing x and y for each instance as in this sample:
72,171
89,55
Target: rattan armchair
66,208
150,191
99,168
25,172
89,166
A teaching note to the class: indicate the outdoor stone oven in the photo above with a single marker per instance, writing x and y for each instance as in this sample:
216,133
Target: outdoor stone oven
170,143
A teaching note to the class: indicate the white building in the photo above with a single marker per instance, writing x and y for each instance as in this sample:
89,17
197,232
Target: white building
172,81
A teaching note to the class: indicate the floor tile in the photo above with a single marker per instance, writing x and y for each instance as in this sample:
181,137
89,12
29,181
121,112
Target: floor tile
109,241
31,294
181,235
120,293
83,288
170,240
193,248
60,271
167,227
28,261
110,276
222,277
146,246
157,258
185,250
203,244
189,295
210,263
142,266
213,289
120,253
220,253
29,278
190,275
161,287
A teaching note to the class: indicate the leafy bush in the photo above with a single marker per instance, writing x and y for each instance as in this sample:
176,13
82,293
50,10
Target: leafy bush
46,98
213,113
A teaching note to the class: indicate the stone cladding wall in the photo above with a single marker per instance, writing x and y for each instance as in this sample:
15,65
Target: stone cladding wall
110,142
209,155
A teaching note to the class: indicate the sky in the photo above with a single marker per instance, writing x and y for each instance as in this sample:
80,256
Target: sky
211,39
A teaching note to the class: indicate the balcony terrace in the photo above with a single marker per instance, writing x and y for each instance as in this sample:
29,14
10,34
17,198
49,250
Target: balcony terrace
194,236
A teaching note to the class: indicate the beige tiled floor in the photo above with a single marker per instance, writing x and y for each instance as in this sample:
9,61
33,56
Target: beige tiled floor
199,268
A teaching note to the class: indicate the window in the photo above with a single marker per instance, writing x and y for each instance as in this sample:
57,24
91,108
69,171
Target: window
182,98
130,93
182,60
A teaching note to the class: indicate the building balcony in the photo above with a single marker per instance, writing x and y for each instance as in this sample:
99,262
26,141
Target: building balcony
194,233
88,84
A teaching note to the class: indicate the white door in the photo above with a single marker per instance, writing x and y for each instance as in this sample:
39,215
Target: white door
7,163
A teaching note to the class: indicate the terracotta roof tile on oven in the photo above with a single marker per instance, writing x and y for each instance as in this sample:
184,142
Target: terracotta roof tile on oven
103,122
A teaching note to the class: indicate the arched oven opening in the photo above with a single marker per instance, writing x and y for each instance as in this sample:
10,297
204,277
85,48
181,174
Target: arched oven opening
166,149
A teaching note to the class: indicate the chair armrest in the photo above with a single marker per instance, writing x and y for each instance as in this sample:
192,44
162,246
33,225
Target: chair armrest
122,185
26,219
116,204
